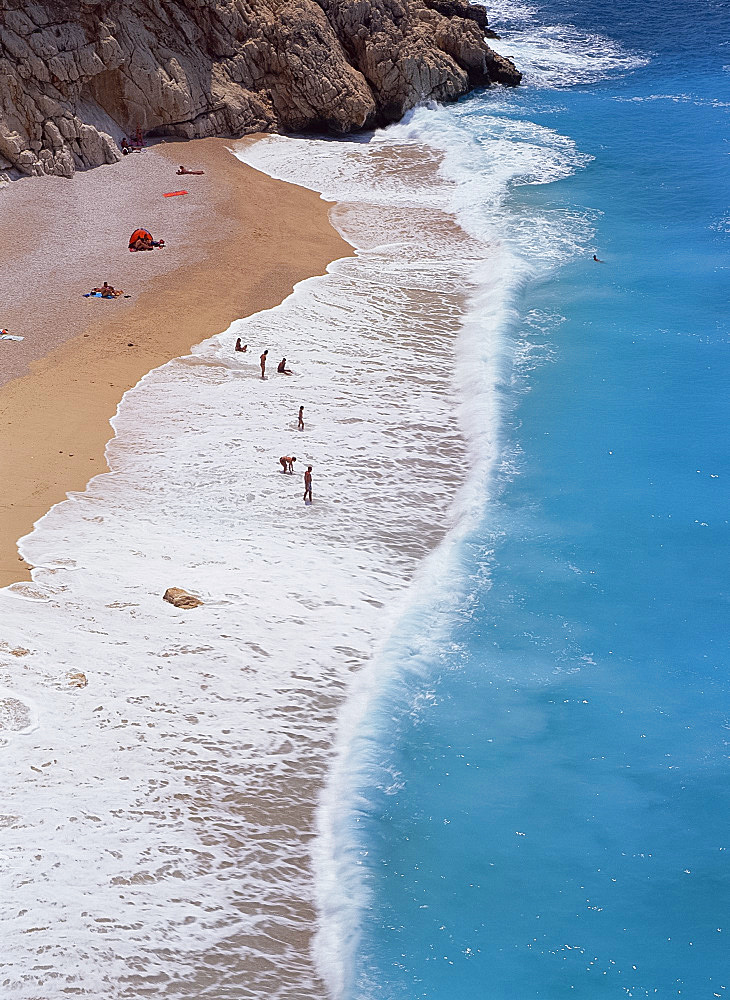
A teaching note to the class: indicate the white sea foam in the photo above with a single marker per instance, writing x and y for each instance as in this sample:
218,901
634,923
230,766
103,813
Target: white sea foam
556,56
158,835
698,102
479,167
169,803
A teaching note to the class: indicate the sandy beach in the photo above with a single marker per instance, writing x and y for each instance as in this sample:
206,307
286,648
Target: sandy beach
237,242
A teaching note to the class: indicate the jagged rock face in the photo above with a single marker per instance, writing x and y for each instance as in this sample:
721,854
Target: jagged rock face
77,75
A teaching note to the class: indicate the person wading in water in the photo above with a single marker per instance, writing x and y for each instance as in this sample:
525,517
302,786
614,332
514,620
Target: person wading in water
308,484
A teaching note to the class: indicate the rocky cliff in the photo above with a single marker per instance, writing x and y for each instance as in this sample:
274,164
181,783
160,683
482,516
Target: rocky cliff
76,75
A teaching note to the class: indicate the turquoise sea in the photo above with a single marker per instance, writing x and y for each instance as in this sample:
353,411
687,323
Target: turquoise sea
545,807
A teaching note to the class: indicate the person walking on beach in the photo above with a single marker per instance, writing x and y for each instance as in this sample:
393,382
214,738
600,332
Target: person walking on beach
300,424
287,463
308,484
262,359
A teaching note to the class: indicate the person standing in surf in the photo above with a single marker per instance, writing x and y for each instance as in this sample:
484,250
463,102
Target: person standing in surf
300,424
308,484
262,361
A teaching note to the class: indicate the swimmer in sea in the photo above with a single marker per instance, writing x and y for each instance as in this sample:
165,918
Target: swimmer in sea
597,260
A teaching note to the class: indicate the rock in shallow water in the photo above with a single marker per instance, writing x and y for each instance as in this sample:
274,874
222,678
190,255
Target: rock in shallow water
181,598
77,75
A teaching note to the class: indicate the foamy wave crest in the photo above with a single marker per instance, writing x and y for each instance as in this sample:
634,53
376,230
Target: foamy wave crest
699,102
482,158
555,56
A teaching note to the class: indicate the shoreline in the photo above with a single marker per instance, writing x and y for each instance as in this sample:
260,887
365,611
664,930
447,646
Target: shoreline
61,390
233,711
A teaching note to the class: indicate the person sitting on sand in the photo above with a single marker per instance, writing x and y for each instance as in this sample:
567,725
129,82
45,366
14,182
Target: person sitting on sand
282,369
239,347
142,240
287,463
184,170
108,291
126,146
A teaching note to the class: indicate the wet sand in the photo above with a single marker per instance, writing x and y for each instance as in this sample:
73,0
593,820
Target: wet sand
237,243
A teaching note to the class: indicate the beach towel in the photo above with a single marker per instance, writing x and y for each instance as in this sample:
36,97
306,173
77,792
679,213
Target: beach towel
9,336
171,194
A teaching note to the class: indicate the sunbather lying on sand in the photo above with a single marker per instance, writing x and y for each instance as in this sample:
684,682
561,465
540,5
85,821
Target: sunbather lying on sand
184,170
108,291
142,240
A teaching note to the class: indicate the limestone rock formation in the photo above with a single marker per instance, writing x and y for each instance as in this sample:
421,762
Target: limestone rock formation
76,75
181,598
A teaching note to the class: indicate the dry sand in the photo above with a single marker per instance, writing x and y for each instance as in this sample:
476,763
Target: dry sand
236,243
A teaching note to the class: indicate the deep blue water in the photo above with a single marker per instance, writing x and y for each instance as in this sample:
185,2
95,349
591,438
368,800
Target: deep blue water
556,819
